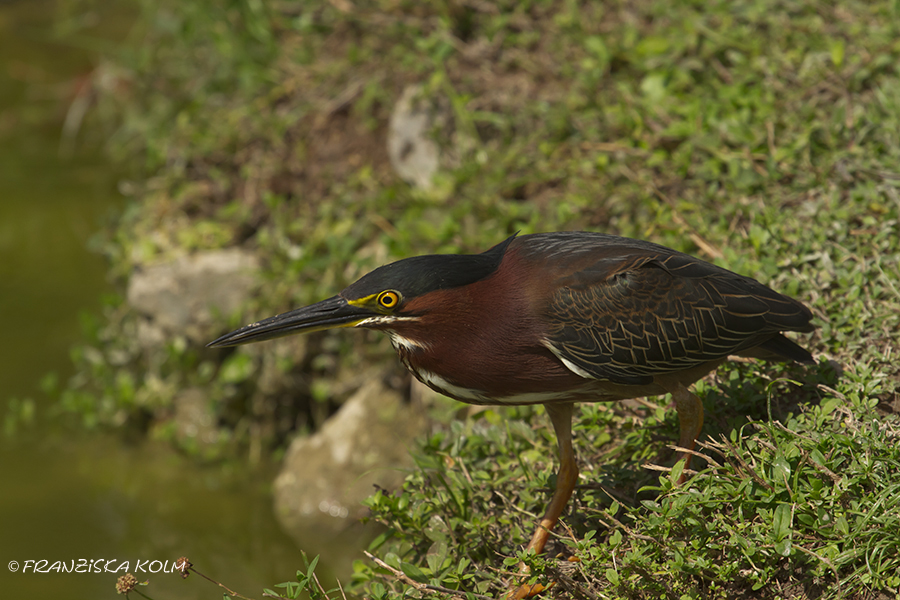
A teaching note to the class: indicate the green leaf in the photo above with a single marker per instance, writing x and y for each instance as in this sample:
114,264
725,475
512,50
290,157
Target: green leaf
237,368
675,473
615,538
837,53
781,521
413,572
781,469
312,567
653,86
841,525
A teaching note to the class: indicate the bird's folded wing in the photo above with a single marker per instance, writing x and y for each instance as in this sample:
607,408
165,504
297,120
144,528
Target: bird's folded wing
651,315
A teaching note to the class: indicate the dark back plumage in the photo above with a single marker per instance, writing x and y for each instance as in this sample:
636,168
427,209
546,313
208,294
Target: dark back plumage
625,310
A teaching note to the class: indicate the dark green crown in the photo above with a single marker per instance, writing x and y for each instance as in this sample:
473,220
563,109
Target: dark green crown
422,274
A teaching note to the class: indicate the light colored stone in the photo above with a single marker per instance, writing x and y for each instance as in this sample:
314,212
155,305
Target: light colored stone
190,295
327,475
414,153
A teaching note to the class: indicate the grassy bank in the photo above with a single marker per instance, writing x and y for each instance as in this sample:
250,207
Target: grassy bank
762,136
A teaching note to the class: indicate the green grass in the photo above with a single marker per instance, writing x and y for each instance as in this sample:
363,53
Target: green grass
761,135
802,506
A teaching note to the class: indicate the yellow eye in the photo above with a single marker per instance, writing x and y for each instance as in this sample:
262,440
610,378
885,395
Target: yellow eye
389,299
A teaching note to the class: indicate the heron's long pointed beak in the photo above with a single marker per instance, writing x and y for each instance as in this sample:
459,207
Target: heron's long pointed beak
327,314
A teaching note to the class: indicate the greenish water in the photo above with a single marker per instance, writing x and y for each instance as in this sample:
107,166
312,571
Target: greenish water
66,496
49,207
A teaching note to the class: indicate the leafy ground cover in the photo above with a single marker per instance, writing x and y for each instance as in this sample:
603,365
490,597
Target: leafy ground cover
762,135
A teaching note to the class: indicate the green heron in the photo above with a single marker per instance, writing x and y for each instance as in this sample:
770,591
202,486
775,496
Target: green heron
559,318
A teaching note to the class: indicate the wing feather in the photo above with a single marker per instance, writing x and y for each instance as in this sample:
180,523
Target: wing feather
625,319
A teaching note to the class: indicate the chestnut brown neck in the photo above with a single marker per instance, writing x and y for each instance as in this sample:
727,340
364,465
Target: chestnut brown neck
485,336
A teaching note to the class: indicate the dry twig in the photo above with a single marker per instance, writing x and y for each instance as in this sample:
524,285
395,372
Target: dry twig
423,587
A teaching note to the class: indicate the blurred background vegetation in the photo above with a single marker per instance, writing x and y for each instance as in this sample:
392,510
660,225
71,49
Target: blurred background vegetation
762,135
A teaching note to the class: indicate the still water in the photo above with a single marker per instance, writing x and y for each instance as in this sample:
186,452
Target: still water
66,495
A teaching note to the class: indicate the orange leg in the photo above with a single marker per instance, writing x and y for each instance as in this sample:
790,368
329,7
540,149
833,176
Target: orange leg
690,419
566,477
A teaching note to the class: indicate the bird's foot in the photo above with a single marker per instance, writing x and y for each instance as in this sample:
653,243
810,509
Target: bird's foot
523,591
526,591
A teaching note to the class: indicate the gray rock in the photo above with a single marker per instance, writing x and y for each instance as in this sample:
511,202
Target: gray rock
414,153
185,296
326,476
